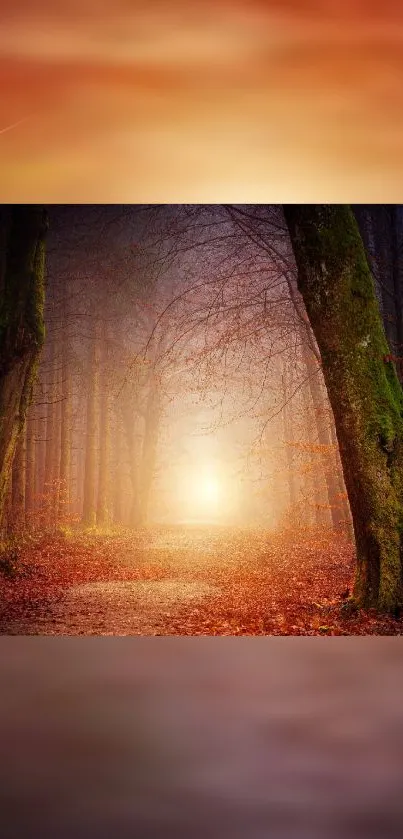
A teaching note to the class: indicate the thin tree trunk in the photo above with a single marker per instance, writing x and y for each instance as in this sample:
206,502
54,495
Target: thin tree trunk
65,434
7,525
134,512
103,513
51,432
321,517
324,439
118,459
288,441
346,521
89,503
30,488
41,451
149,450
18,484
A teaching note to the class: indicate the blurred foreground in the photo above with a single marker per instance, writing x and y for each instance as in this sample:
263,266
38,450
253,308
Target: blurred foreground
187,739
200,102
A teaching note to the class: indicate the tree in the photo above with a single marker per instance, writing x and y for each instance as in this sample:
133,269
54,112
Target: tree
89,502
381,230
335,281
22,259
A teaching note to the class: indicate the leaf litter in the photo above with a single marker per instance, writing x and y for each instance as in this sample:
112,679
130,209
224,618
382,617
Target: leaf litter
186,581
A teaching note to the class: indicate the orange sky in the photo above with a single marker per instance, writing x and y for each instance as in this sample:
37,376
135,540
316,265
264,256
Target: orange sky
212,101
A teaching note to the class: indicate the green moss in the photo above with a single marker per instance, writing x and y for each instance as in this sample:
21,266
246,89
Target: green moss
36,296
364,390
21,324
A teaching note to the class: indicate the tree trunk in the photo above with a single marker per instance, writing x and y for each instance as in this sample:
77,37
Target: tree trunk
7,524
397,288
316,488
65,433
118,469
364,391
51,442
89,507
18,485
346,522
22,234
30,488
104,443
40,453
149,450
135,507
288,441
325,441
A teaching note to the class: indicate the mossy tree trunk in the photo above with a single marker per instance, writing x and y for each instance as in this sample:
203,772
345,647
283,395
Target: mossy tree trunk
364,391
22,259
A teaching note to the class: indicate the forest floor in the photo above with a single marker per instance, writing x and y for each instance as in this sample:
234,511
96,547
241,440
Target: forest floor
183,580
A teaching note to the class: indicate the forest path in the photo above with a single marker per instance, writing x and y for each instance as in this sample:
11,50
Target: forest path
183,580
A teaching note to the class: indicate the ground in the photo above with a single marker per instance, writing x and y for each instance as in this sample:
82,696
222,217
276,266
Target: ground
187,580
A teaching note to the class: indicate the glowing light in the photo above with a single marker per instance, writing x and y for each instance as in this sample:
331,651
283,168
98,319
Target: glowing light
209,490
202,493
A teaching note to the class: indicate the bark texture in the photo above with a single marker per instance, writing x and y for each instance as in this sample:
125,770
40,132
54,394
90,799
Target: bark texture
22,234
364,391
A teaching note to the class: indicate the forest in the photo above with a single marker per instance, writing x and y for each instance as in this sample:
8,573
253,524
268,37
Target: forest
201,422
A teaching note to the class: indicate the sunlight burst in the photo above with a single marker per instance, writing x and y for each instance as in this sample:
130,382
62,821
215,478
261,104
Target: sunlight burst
208,490
204,493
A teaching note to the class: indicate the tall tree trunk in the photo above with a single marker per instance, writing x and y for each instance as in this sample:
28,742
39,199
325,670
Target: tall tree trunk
51,435
22,260
65,432
135,504
30,488
288,441
40,448
103,514
397,288
321,513
7,524
149,450
18,484
324,440
90,476
364,391
130,408
346,522
118,467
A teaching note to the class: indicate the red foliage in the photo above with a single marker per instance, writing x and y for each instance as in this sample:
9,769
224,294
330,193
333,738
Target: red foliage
257,583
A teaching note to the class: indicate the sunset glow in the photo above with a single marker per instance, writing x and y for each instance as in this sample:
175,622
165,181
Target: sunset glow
201,102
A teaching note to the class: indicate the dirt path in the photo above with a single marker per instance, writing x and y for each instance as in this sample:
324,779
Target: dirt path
184,581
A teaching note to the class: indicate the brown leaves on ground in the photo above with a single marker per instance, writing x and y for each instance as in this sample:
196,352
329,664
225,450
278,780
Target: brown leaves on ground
185,581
